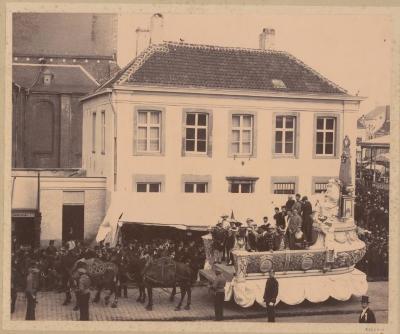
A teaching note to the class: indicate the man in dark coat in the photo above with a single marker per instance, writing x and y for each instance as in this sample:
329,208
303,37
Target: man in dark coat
279,217
307,220
270,294
289,202
298,205
219,289
32,285
83,294
366,315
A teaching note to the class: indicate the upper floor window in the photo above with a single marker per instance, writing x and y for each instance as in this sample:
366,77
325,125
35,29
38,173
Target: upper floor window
285,134
94,132
148,131
242,134
103,132
196,187
196,131
325,136
242,184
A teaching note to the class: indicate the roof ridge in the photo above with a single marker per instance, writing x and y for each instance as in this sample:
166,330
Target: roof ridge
216,47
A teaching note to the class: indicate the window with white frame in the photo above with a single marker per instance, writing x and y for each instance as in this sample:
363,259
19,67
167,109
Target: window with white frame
241,184
280,188
196,187
242,134
148,131
94,132
103,132
325,136
196,132
148,187
285,134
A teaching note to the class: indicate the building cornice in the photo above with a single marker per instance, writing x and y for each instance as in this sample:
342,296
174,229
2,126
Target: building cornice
99,93
233,93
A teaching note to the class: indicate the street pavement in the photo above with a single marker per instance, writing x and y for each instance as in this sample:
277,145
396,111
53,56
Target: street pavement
50,308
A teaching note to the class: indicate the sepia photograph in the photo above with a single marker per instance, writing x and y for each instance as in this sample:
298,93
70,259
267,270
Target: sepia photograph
197,165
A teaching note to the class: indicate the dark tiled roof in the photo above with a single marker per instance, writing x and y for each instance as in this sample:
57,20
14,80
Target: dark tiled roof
67,79
67,34
384,130
191,65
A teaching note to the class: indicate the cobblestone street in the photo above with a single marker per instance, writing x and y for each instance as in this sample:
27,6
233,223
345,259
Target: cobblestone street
50,307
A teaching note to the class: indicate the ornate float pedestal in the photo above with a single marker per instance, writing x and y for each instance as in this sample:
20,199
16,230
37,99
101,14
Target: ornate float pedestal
325,269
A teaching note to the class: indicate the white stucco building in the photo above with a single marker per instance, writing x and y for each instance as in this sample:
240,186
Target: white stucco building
185,133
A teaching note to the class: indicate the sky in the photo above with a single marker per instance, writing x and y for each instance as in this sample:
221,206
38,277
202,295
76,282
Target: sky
353,51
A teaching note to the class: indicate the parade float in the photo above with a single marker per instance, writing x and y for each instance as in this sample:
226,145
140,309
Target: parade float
322,270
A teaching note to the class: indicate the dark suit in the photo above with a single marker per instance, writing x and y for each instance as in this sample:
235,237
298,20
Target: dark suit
270,294
307,221
367,318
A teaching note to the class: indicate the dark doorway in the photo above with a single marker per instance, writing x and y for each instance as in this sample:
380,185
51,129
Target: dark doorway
73,222
24,231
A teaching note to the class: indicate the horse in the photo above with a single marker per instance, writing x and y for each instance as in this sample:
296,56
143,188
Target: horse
134,267
103,275
162,272
165,272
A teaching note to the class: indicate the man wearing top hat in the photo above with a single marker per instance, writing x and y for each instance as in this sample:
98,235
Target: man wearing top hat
366,315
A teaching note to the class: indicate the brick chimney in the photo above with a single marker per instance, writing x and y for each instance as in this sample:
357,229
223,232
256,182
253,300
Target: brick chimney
267,39
156,29
142,39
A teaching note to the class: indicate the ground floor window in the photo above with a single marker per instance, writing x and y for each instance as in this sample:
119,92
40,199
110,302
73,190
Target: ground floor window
320,187
142,187
196,187
241,184
284,188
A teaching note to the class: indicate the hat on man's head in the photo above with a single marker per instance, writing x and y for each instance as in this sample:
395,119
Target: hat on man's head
224,216
365,299
249,220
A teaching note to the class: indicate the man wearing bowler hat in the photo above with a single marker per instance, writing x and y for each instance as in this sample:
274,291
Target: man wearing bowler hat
366,316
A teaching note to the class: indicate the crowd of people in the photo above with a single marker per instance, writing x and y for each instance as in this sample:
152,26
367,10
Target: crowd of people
291,228
49,268
372,214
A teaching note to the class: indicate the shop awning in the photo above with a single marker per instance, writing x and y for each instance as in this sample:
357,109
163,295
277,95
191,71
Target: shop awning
183,211
24,194
379,142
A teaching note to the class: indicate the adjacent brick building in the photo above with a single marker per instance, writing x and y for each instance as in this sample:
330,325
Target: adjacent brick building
57,59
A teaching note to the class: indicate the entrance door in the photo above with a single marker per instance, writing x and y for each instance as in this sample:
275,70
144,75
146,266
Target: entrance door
72,222
42,131
24,231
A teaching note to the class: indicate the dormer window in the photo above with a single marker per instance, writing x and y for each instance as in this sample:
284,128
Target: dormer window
47,77
279,84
